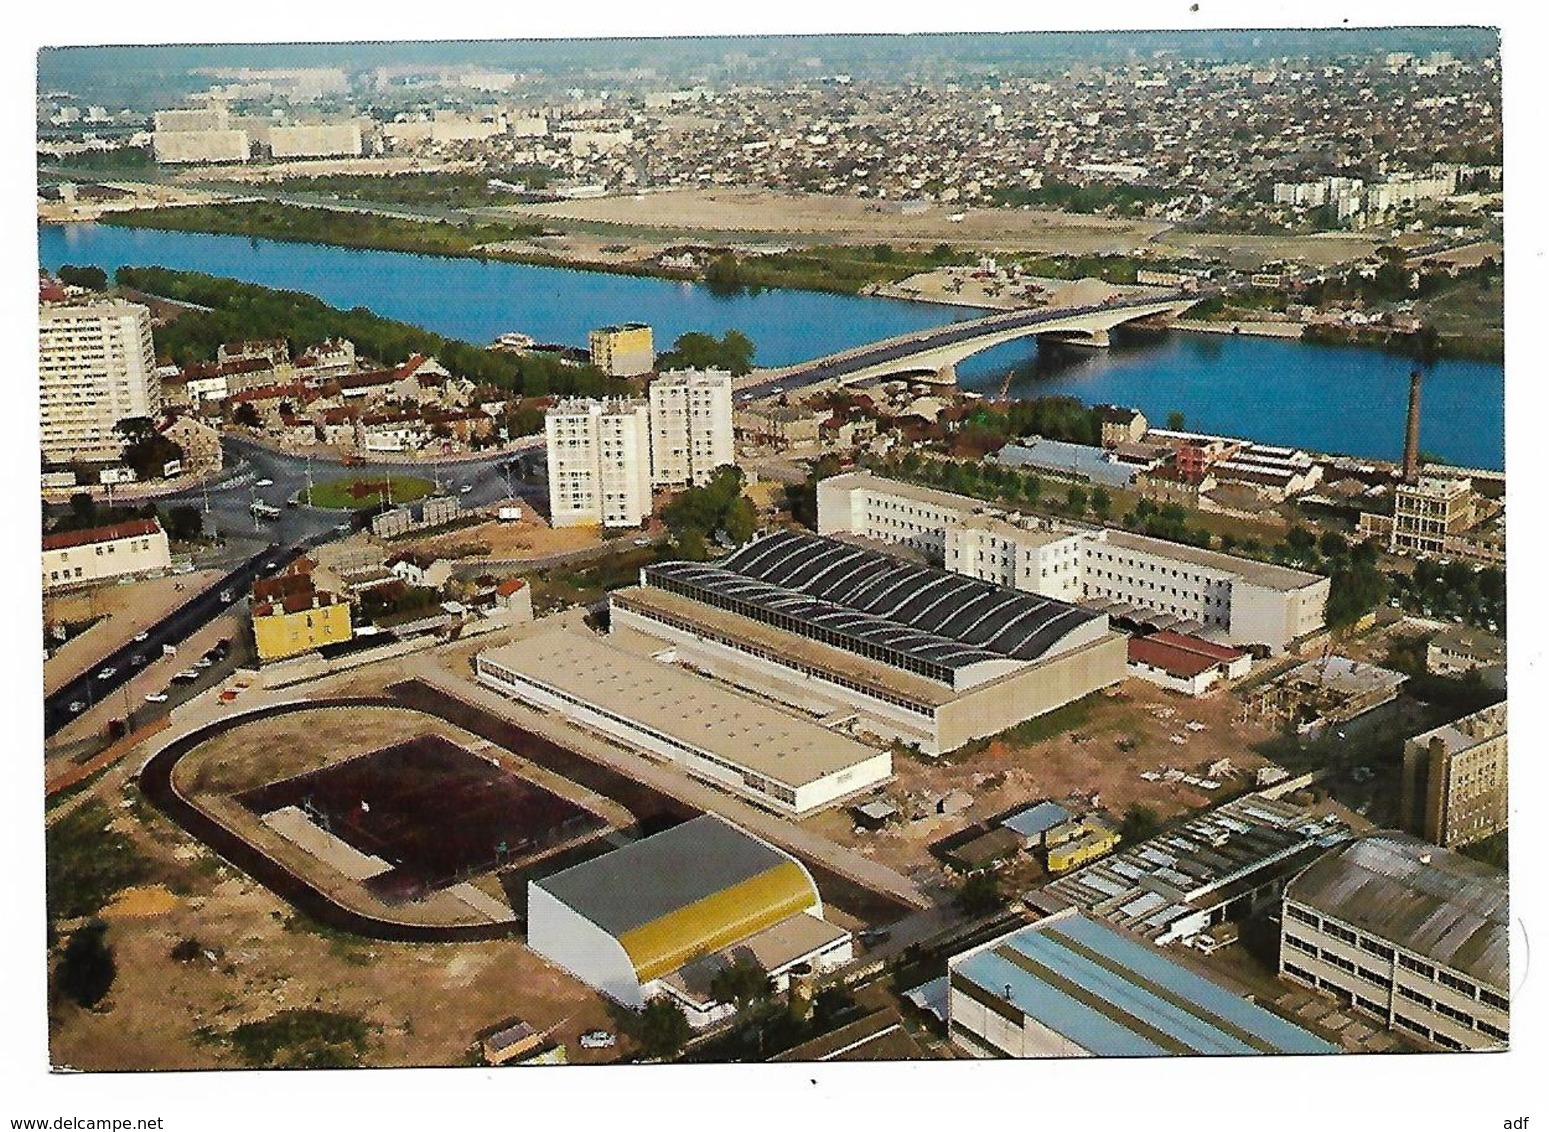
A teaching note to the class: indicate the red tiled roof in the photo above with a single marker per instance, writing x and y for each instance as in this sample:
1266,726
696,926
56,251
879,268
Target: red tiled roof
134,528
1192,643
1169,658
509,587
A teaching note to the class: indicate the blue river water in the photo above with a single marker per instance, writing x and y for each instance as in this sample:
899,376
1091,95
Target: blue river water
1330,399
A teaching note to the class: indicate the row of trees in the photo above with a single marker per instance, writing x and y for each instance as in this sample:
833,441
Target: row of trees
733,351
182,522
240,310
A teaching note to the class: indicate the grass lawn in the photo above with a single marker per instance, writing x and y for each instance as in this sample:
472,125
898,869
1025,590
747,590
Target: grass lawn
355,492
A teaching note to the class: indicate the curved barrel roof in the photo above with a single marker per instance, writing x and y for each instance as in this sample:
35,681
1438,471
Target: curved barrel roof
874,601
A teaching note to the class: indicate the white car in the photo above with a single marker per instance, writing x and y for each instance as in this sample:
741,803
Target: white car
106,673
642,541
466,488
597,1039
143,636
76,705
264,483
155,697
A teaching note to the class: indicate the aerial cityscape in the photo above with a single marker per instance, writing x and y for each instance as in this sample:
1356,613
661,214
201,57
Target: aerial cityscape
774,549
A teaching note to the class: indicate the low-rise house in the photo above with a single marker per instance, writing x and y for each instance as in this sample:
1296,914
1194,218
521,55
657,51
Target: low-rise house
134,548
1185,663
201,444
1461,649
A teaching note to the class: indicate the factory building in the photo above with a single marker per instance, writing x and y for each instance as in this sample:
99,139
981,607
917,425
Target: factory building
1219,866
656,917
599,455
691,433
96,366
782,761
1070,986
1453,789
1407,932
1146,581
908,652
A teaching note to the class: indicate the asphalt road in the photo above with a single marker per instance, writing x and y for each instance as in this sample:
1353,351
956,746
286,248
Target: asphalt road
479,482
91,687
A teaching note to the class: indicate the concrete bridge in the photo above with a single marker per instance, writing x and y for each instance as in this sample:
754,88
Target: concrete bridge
937,352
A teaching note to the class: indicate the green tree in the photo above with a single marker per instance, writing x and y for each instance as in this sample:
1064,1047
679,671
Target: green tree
661,1028
1075,500
1176,421
1102,503
86,971
184,523
1140,822
980,894
741,984
92,278
741,520
247,415
1032,488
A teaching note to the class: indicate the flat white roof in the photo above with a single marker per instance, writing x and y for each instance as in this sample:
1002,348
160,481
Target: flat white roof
683,705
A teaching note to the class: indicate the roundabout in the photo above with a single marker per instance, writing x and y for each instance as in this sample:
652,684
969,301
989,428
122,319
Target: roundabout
351,493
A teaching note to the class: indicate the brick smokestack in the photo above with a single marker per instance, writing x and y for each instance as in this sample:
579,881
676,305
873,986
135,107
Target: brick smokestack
1412,430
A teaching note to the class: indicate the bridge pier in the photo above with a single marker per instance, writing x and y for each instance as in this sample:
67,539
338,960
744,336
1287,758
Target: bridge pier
1098,339
947,375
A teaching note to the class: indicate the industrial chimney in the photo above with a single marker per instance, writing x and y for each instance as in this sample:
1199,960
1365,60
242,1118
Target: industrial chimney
1412,431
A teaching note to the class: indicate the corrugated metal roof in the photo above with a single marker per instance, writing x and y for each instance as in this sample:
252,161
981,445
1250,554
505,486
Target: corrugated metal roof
1420,897
1117,998
1036,819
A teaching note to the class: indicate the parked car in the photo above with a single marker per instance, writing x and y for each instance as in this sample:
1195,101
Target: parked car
264,483
225,596
107,673
203,662
597,1039
76,705
142,635
187,676
155,697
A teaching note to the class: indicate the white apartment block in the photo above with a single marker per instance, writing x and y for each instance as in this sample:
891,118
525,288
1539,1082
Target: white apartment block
691,430
1146,579
599,462
96,366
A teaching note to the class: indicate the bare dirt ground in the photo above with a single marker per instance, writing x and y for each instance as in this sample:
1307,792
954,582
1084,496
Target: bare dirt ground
1248,252
529,537
1085,761
424,1002
124,609
759,212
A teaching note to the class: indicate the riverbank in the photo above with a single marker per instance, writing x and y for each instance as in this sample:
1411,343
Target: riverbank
1253,329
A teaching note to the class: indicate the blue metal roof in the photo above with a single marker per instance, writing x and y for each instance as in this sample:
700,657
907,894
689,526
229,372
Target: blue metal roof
1035,819
1114,997
1094,464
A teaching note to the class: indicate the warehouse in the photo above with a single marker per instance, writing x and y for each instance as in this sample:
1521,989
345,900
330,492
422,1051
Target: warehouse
650,919
913,653
1068,986
1218,866
777,759
1411,933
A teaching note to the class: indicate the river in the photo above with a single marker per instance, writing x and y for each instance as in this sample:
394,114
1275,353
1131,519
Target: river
1328,398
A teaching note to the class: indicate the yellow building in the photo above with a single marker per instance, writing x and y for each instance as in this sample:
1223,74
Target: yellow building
299,624
1073,843
623,351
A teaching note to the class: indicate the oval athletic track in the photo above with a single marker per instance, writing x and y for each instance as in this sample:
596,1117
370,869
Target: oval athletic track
156,784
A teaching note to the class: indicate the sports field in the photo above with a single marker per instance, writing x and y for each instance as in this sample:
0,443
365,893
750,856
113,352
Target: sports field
433,810
355,492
